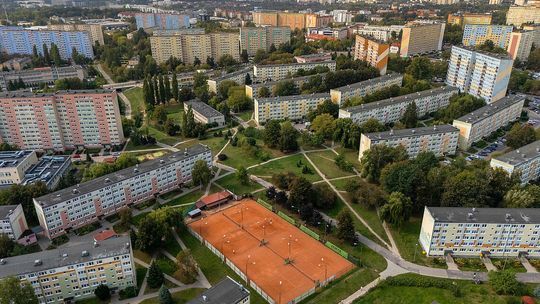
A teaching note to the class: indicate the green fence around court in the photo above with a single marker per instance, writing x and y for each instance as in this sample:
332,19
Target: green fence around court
338,250
287,218
265,204
310,232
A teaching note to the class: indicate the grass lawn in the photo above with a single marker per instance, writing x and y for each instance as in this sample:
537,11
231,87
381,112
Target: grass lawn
324,160
231,183
91,301
470,264
166,265
371,217
350,155
288,164
131,147
174,111
187,199
167,284
136,98
179,297
143,256
341,183
239,157
245,115
214,143
141,273
512,264
471,293
172,246
163,137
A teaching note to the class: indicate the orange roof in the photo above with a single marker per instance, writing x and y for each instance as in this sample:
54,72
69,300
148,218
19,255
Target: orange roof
320,37
105,234
527,300
215,197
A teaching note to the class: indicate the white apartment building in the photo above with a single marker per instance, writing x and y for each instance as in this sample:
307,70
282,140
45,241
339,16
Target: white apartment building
486,120
480,74
73,272
392,109
204,113
88,202
274,72
38,76
383,33
294,107
363,88
13,165
469,232
237,76
252,90
441,140
524,161
12,221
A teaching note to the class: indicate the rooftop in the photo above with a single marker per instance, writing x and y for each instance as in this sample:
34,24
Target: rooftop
400,99
244,71
72,253
294,79
12,159
46,169
490,109
369,82
521,155
213,198
109,179
295,64
293,97
485,215
317,55
5,210
203,109
28,94
396,134
227,291
485,53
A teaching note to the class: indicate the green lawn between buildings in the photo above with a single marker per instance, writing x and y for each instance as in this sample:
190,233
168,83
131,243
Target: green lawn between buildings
136,98
287,164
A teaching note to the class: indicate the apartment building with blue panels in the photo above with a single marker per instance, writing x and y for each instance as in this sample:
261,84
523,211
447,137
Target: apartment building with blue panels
478,34
161,21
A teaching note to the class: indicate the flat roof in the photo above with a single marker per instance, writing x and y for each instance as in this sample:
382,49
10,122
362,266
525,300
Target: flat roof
521,155
227,291
399,99
12,159
118,176
369,82
46,169
245,70
396,134
294,64
293,97
5,209
485,215
274,82
28,94
485,53
316,55
490,109
203,109
70,254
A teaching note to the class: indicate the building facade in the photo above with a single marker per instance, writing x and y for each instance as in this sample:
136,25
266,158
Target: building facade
521,44
317,57
392,109
14,164
164,21
374,52
441,140
363,88
59,121
421,38
469,18
483,75
518,15
253,39
471,232
252,90
204,113
486,120
73,273
272,72
12,221
237,76
383,33
524,161
535,28
88,202
95,30
478,34
290,19
39,76
294,107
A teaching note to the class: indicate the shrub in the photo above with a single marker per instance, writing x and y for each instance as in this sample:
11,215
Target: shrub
102,292
128,292
222,157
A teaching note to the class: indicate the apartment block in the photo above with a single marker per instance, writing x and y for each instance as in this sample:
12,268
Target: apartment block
317,57
164,21
334,33
16,64
484,121
59,121
363,88
383,33
524,161
521,44
188,48
535,28
204,113
421,38
17,40
289,19
271,72
12,221
237,76
478,34
519,15
14,164
469,18
470,232
294,107
39,76
392,109
441,140
95,30
73,273
80,205
481,74
374,52
253,39
252,90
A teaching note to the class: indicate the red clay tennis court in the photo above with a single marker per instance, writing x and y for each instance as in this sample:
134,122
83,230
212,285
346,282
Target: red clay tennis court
261,244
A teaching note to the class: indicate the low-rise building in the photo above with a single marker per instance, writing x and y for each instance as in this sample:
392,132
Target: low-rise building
469,18
14,164
16,64
204,113
38,76
48,170
252,90
335,33
363,88
471,232
392,109
82,204
73,272
227,291
525,162
383,33
281,71
441,140
294,107
237,76
310,58
374,52
12,221
486,120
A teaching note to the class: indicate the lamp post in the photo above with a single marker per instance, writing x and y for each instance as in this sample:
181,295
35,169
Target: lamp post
279,301
200,231
325,269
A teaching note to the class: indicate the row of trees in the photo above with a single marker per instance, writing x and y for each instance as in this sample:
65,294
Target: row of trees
160,90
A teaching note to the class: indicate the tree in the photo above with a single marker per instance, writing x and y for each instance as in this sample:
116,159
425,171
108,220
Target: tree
174,89
6,245
289,138
165,296
242,175
188,123
326,107
504,282
201,174
102,292
55,55
398,209
323,125
159,115
187,266
244,57
520,136
272,133
372,125
125,215
226,60
410,117
46,56
155,276
247,79
325,198
224,87
420,68
167,86
285,88
345,226
301,192
404,177
237,99
15,292
264,92
150,233
374,160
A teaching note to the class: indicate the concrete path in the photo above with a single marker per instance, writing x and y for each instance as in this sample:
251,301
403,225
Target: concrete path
201,278
165,146
525,262
489,265
450,263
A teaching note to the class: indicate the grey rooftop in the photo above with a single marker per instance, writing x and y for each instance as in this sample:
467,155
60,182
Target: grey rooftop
369,82
5,210
485,215
396,134
227,291
293,97
490,109
293,79
203,109
259,66
12,159
521,155
243,71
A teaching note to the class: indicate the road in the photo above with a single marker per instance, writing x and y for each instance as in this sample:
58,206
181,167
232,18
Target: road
120,94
